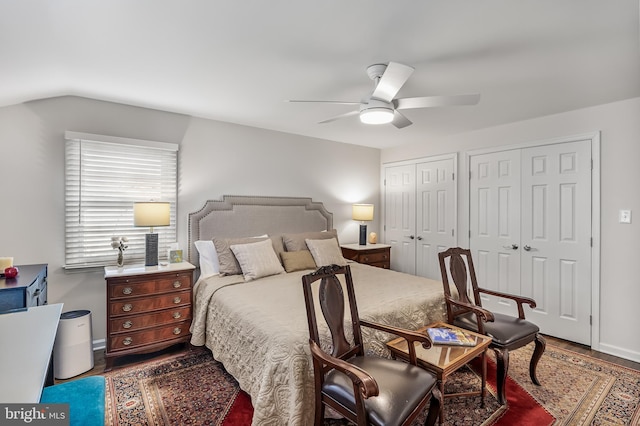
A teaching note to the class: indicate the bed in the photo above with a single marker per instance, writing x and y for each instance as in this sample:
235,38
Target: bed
258,328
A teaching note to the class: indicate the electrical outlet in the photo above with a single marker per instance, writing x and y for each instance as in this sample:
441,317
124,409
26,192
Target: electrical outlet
625,216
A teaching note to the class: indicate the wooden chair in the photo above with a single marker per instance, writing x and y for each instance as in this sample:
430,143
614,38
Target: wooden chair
365,389
507,332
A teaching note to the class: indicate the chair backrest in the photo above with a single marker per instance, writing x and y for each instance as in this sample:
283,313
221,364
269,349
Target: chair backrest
457,263
331,299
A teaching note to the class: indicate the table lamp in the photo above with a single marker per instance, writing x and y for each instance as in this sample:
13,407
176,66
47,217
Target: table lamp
362,212
151,213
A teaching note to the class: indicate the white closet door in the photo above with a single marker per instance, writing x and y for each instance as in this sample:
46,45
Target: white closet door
400,216
530,233
495,223
435,214
556,238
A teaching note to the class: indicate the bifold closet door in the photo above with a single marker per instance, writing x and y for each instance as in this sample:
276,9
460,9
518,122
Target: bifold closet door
400,216
435,214
420,214
530,232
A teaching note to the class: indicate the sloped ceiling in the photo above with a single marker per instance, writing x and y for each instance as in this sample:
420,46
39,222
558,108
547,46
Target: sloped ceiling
239,61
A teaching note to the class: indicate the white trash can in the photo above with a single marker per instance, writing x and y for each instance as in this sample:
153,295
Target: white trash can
73,348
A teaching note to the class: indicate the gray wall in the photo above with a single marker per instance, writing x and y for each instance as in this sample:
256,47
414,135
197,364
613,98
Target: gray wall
619,127
215,159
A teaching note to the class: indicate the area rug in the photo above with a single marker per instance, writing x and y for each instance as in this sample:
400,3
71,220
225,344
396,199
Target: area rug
191,388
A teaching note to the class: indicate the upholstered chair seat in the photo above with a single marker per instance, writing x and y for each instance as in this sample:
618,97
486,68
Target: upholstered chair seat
505,330
397,398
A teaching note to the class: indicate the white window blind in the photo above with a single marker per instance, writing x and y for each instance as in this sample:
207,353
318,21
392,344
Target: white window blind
104,176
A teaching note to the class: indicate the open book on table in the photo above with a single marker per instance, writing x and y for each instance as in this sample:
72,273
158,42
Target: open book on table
450,336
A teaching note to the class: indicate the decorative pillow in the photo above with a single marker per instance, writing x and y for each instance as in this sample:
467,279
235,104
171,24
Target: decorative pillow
296,242
227,261
278,245
208,258
326,252
297,260
257,260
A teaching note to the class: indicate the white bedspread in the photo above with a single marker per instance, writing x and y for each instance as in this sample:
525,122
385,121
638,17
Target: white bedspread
259,331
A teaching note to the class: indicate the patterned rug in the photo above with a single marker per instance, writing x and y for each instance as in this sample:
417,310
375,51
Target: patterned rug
191,388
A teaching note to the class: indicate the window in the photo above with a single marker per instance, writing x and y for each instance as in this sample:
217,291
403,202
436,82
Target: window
104,176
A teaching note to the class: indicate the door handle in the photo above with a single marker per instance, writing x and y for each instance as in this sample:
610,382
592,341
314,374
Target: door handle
511,247
527,248
418,238
409,236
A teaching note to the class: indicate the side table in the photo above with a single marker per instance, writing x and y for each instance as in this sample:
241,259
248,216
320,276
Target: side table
444,360
370,254
148,308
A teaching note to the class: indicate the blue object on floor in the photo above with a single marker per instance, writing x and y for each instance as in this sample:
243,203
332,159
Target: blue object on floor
85,398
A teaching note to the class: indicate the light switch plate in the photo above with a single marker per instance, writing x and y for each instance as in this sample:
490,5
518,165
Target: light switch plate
625,216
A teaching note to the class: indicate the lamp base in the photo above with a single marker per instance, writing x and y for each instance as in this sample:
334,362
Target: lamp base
151,250
363,235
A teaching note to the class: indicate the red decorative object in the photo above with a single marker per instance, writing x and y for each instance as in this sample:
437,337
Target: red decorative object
11,272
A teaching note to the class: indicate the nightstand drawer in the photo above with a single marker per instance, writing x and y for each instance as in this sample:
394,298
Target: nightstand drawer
148,304
142,338
134,288
371,258
139,322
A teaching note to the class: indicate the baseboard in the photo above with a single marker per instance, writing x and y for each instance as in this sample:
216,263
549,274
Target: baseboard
99,344
619,352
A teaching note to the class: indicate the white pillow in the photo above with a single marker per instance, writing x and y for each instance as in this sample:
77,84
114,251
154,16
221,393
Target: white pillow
326,252
257,260
209,264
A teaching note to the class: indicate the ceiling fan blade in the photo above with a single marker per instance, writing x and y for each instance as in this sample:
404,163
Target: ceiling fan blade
337,117
325,102
391,81
437,101
400,120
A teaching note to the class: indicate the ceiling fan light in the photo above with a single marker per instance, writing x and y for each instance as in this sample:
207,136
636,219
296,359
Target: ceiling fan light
376,115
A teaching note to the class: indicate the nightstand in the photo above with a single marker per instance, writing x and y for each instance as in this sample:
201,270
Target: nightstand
371,254
148,308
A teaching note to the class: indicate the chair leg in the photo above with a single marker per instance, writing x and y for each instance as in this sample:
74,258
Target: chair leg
319,413
502,364
434,407
541,345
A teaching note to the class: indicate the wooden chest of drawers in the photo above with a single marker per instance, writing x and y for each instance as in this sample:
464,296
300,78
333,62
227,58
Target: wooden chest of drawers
371,254
148,308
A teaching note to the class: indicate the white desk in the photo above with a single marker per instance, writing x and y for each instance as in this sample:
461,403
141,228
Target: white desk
27,343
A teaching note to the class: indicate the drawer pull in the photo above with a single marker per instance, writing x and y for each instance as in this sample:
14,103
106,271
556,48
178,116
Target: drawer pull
385,257
366,259
177,284
127,307
127,290
177,315
177,300
127,324
177,331
127,341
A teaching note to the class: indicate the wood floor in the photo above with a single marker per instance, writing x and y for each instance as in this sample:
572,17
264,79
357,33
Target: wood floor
99,362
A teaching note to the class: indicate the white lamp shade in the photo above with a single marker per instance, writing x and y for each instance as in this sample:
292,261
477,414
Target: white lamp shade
151,214
362,212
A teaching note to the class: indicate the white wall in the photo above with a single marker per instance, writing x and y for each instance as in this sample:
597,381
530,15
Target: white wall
215,159
619,124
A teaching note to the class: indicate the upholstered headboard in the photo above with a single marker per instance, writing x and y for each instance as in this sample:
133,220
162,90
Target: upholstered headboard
248,216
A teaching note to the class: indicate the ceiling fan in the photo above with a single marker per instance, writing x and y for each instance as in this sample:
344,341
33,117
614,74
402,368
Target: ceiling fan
380,107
